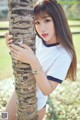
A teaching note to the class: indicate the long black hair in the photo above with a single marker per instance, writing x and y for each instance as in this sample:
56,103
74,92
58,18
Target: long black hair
62,30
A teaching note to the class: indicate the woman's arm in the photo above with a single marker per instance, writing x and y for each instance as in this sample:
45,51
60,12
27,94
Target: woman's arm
8,40
26,55
46,86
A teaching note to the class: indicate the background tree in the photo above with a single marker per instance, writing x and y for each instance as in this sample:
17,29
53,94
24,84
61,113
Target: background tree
71,7
21,28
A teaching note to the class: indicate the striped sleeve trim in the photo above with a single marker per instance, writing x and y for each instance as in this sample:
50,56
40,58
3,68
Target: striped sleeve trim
54,79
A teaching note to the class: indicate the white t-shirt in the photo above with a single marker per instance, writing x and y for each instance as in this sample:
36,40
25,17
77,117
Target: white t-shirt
55,62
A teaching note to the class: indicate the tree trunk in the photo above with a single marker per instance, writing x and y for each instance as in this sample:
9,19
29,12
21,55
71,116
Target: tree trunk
21,28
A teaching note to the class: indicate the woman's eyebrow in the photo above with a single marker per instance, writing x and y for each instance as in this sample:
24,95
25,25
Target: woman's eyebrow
38,18
45,17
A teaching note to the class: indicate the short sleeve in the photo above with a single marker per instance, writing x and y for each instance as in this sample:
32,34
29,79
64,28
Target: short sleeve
59,68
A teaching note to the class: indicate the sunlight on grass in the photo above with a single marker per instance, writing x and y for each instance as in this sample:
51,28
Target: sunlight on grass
76,40
5,61
75,29
4,23
74,22
3,32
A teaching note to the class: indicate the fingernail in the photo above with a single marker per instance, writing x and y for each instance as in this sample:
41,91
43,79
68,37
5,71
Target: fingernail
20,42
11,36
11,40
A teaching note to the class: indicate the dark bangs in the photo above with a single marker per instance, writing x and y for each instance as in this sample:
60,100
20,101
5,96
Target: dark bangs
40,10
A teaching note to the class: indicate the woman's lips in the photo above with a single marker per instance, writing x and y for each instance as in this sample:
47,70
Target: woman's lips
44,35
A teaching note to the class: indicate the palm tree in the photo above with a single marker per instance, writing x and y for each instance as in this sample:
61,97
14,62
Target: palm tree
21,28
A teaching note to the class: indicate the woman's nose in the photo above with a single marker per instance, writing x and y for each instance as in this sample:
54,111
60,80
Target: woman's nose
42,27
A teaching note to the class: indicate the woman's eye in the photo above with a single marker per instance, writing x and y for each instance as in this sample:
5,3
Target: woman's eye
37,23
47,20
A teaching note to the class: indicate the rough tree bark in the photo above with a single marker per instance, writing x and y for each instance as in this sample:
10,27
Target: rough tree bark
21,28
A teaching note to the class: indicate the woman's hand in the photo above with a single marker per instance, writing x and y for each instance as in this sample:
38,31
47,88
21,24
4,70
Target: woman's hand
22,53
8,39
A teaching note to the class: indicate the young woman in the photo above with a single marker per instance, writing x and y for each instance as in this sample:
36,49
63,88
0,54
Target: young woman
55,58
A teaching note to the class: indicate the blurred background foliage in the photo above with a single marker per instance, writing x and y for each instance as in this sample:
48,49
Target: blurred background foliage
71,7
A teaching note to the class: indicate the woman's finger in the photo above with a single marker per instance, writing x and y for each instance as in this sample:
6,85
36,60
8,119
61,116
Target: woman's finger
8,39
24,46
16,47
13,55
7,36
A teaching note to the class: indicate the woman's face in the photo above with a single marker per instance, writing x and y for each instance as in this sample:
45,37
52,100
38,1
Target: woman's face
45,28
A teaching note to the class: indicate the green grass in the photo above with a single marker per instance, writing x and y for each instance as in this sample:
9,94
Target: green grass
5,59
75,29
3,32
76,40
74,22
4,24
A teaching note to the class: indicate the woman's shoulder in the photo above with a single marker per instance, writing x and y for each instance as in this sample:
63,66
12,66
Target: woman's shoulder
63,52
